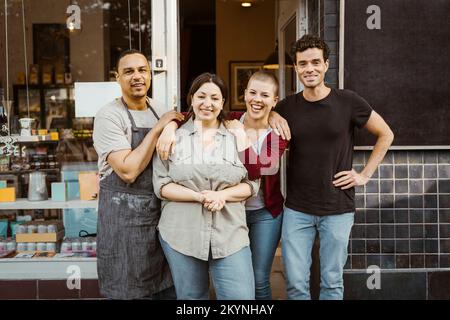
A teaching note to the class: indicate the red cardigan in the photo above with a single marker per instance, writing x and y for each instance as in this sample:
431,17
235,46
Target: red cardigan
269,160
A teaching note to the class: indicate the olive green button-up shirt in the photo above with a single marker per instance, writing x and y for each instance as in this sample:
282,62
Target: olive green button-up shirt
188,227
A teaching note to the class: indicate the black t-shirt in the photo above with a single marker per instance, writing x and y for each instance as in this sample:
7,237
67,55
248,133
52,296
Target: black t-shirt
321,146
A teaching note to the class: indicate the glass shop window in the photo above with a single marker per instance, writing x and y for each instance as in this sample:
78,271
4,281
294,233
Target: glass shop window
51,45
46,48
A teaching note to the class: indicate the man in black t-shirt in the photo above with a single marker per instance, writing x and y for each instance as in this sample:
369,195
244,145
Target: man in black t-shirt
320,178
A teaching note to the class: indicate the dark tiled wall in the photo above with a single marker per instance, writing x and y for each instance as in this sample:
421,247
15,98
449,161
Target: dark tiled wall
403,214
47,289
399,285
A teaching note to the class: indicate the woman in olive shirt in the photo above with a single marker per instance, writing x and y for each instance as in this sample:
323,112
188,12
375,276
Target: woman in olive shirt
204,186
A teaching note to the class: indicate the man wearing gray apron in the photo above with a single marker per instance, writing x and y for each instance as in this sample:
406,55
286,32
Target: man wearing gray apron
130,261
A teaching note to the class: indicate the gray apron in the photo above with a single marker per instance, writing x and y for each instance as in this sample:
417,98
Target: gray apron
130,260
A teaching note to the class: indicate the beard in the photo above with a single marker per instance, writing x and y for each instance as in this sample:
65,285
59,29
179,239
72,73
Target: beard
138,95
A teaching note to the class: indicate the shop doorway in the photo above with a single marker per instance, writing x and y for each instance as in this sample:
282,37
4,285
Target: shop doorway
197,42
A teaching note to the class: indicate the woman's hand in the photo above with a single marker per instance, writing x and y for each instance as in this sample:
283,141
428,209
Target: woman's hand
234,126
166,141
199,197
237,129
213,200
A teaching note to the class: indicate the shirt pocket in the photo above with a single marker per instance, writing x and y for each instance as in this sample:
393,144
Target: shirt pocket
232,171
181,168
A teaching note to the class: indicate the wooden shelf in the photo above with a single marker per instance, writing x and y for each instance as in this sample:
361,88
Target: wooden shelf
28,139
25,204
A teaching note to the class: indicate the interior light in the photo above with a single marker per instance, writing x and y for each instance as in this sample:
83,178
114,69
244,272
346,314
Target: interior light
246,4
71,26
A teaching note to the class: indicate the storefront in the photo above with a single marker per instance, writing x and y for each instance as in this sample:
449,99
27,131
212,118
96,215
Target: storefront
57,57
57,63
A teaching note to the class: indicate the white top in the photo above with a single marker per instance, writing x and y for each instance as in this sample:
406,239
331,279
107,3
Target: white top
256,202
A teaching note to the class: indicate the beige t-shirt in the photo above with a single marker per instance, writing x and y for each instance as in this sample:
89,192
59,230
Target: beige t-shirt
112,129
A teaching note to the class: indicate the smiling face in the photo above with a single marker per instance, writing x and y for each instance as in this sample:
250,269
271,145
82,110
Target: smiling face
207,102
260,98
311,67
134,76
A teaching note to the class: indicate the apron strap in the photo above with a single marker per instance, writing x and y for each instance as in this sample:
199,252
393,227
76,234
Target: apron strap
153,110
133,124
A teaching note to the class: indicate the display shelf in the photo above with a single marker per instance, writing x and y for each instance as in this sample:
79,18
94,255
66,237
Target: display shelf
52,170
48,268
25,204
28,139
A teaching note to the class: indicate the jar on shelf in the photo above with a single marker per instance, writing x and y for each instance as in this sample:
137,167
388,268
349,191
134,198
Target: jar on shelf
11,245
43,161
86,245
76,245
94,245
31,228
42,228
2,245
21,229
66,246
51,246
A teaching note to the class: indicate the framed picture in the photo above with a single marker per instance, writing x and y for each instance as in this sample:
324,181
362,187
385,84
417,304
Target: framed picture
240,73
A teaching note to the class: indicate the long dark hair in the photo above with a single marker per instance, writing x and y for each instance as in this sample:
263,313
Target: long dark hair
197,83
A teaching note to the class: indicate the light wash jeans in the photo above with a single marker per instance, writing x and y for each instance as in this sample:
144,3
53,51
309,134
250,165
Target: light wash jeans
232,276
298,234
264,233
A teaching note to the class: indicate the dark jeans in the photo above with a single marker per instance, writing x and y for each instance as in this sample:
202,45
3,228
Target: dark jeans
166,294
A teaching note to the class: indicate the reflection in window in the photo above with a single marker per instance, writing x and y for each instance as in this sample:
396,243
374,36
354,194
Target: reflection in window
290,36
315,21
59,54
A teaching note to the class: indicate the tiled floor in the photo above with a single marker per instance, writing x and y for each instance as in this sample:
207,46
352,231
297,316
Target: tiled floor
277,278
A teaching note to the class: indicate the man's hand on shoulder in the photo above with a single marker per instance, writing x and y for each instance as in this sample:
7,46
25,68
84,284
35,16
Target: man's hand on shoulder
279,125
168,117
349,179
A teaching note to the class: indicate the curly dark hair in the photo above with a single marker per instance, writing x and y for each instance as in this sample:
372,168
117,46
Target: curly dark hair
309,41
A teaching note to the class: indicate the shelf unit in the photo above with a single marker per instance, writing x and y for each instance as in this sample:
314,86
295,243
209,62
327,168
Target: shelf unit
27,139
43,268
25,204
47,268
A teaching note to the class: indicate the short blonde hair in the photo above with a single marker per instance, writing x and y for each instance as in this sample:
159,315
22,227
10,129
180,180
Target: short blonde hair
266,76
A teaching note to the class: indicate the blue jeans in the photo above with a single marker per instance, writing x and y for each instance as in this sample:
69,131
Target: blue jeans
264,233
298,234
232,276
